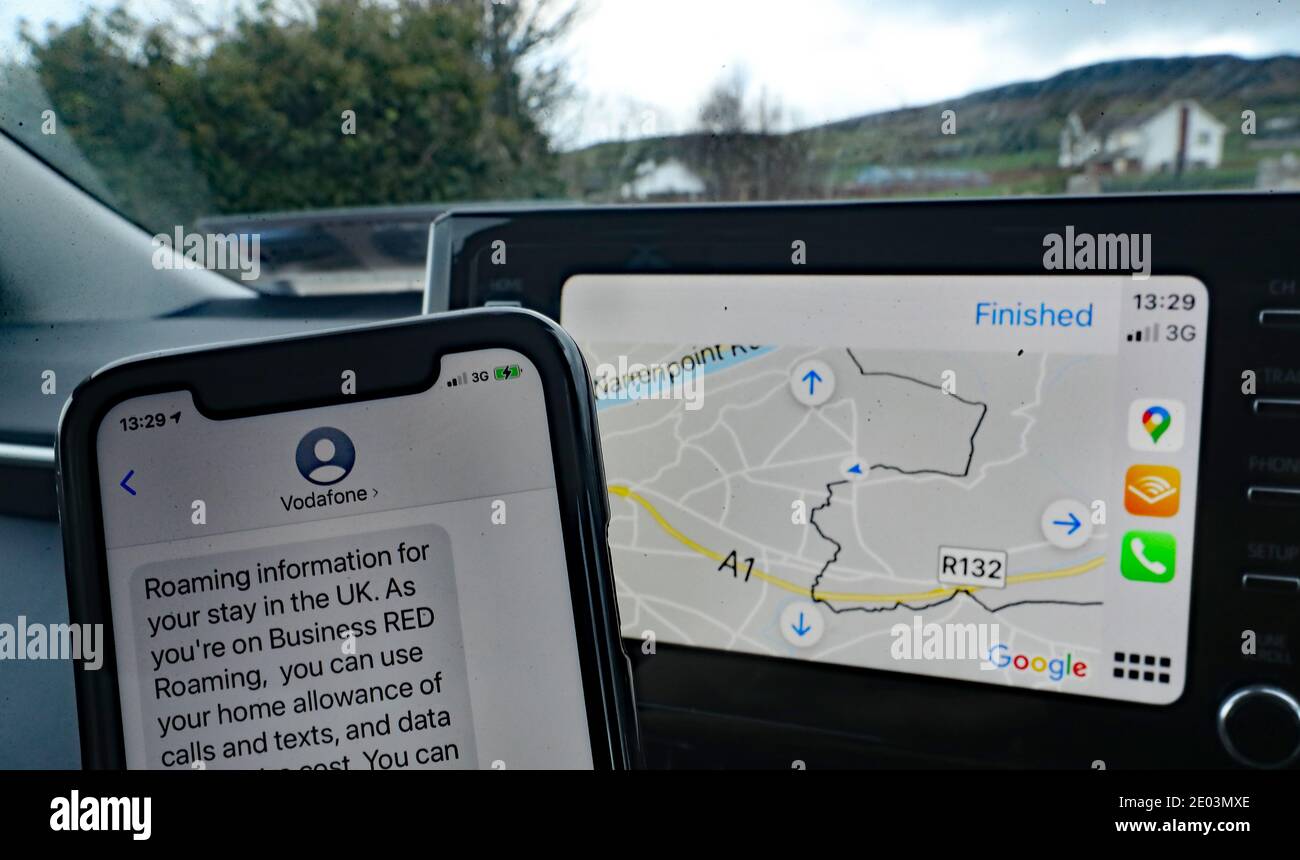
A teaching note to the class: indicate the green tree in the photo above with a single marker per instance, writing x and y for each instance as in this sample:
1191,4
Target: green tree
188,117
97,75
740,151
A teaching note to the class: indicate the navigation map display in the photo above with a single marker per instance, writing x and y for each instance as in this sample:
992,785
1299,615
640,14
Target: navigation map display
984,478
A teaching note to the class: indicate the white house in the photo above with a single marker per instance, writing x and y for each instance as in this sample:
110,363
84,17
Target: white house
668,180
1182,135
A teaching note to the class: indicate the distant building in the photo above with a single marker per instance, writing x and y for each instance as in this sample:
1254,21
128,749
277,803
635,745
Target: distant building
669,180
1180,136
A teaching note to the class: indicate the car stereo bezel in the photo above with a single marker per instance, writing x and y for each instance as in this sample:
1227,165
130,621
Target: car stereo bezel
1239,245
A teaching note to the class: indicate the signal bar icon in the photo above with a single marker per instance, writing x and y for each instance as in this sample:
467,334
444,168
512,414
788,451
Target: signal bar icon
459,379
1146,334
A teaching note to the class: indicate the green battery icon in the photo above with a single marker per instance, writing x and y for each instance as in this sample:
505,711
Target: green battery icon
508,371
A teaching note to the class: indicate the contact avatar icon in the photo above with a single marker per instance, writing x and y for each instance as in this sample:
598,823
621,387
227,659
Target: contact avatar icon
325,456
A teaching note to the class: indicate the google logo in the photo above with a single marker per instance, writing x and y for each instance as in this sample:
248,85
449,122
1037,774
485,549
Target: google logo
1055,667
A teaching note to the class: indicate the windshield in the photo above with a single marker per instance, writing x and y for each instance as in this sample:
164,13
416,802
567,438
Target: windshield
296,118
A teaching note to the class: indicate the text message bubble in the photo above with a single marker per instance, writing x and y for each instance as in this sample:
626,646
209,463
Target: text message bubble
345,653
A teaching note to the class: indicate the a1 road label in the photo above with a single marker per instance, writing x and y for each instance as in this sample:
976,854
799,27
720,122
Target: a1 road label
985,568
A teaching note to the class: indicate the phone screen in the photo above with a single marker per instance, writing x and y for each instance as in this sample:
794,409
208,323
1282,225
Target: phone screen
983,478
370,586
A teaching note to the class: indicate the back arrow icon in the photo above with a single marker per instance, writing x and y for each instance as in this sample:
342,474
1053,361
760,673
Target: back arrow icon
123,483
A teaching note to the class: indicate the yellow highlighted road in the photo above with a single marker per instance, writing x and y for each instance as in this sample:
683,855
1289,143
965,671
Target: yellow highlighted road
843,597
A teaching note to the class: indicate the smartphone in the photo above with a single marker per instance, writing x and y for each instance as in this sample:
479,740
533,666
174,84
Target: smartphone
377,548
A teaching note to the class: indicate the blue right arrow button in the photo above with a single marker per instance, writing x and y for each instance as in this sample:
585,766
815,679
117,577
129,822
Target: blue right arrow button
1072,523
1067,523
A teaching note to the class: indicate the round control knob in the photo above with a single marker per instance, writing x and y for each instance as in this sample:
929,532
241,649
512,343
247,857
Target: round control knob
1260,726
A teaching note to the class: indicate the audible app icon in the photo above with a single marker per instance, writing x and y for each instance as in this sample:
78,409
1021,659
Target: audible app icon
1152,491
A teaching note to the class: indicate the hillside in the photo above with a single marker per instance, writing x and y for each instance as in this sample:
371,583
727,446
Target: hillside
1007,137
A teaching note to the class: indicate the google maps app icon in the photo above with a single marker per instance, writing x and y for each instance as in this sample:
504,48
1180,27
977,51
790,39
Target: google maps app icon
1156,424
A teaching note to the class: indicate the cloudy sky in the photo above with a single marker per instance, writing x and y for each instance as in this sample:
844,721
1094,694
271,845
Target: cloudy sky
643,66
828,59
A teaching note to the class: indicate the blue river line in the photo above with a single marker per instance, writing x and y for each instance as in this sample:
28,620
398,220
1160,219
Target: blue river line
633,394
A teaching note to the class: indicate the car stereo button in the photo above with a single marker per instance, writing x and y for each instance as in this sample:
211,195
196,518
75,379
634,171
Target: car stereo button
1279,583
1280,318
1282,497
1259,726
1277,407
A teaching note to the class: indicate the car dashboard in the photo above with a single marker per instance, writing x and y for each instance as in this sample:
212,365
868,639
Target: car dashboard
1058,435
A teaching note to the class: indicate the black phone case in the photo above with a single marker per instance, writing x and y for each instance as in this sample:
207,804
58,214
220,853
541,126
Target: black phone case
232,380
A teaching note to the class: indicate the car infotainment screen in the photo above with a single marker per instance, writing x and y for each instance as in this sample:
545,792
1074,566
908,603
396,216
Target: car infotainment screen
983,478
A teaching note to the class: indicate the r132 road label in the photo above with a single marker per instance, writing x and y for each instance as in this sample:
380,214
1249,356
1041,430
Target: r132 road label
986,568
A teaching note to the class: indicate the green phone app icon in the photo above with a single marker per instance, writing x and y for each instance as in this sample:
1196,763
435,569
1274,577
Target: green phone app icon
1148,556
